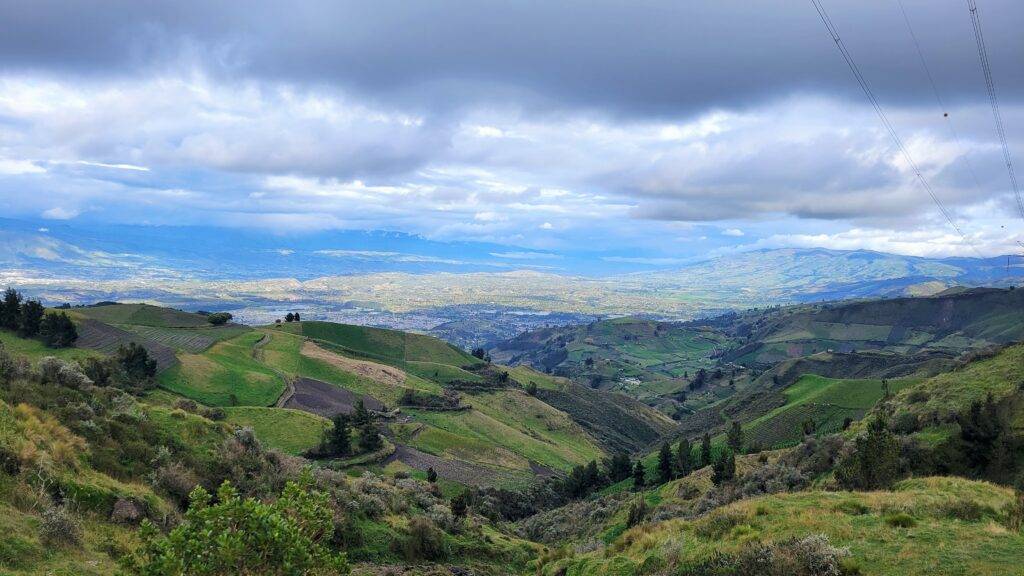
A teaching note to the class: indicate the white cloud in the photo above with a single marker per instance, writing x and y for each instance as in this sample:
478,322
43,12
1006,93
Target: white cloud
12,167
735,232
526,255
60,213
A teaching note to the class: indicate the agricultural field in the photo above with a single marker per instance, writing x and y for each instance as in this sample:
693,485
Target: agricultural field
191,340
227,374
388,346
826,402
143,315
326,400
105,338
641,358
290,431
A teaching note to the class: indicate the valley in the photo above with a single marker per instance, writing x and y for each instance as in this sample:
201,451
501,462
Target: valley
526,419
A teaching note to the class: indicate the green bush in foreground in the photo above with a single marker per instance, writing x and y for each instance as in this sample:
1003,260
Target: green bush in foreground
245,536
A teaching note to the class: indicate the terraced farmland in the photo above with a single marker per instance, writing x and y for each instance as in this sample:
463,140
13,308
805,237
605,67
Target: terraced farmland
191,340
95,335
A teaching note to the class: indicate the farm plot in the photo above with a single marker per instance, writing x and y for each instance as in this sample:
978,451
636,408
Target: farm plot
453,470
191,340
290,431
324,399
143,315
227,374
95,335
826,402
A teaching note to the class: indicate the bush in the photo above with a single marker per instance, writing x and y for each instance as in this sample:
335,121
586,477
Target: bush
900,520
59,528
637,512
245,536
424,542
218,318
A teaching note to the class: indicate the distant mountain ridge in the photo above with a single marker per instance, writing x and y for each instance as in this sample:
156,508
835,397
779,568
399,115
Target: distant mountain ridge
194,268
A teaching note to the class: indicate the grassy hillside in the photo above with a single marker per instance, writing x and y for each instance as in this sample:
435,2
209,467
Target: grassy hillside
638,357
143,315
945,526
950,322
228,374
826,402
390,346
290,431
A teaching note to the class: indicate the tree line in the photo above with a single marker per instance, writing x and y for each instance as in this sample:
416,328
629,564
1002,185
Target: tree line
29,319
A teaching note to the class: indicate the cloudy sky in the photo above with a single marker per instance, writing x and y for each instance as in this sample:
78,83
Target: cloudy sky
657,130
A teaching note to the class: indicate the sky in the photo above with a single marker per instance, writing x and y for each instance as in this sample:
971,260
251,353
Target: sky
651,131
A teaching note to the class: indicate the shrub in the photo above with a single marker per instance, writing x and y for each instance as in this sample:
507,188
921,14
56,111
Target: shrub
245,536
719,523
424,541
637,512
900,520
218,318
59,528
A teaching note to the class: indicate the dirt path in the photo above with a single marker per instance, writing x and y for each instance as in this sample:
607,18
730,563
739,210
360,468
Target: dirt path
289,386
383,374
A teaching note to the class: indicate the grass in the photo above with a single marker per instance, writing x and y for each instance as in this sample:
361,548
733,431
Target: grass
955,391
34,349
505,429
930,535
143,315
225,375
391,346
825,401
192,340
290,431
283,352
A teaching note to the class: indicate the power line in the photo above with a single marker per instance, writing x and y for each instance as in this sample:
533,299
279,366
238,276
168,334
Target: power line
938,97
986,67
862,81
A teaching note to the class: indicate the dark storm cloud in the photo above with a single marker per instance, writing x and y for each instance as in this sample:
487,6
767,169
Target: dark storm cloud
670,57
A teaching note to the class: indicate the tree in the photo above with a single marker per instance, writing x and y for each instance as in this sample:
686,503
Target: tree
361,416
340,439
479,353
57,330
665,467
734,439
289,317
10,309
219,318
531,388
431,475
724,469
136,363
874,463
705,450
460,504
684,458
369,438
30,319
639,475
287,537
619,467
